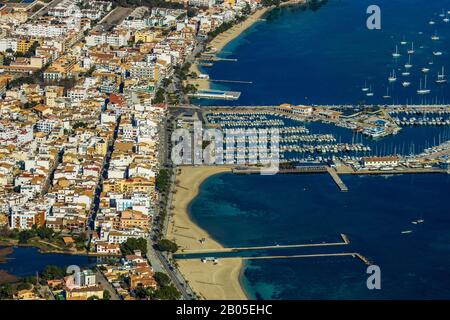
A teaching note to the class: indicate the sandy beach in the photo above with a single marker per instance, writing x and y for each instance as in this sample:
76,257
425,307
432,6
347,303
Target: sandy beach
209,280
221,40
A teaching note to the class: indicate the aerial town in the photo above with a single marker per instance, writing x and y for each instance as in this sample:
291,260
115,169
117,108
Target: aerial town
93,205
83,86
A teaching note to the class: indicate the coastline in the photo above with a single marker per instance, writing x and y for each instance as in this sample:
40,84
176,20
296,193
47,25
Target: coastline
219,281
221,40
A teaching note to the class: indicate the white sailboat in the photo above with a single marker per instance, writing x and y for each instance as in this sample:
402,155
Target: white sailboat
365,88
435,37
392,77
423,90
406,84
396,54
425,70
406,73
437,53
431,22
441,77
411,51
387,96
403,42
408,65
370,93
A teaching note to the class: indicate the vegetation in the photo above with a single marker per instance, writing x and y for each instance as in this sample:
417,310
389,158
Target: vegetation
106,295
17,82
163,180
52,272
167,293
162,279
148,3
79,124
133,244
6,291
167,246
159,96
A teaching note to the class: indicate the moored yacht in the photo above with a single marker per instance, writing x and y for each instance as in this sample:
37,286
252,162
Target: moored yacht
411,51
441,77
365,88
392,77
396,54
408,64
423,90
435,37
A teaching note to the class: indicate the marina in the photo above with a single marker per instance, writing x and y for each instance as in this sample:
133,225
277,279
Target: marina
308,206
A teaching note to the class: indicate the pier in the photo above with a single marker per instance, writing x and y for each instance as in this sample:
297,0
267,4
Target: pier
214,58
317,255
296,170
337,179
299,170
344,242
231,81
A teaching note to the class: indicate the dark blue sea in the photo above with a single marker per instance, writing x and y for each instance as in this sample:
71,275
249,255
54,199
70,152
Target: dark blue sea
326,57
259,210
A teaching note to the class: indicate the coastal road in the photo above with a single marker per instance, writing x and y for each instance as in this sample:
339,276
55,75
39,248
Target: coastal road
176,277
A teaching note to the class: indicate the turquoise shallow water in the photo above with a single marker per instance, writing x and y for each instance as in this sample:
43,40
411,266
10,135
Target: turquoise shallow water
325,57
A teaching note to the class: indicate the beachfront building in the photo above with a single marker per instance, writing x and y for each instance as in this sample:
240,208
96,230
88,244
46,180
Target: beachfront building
376,162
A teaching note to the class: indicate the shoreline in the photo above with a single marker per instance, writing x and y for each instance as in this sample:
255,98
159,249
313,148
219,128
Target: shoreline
13,243
220,281
224,38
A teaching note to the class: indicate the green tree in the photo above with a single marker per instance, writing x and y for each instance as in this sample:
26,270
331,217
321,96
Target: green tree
133,244
106,295
26,235
52,272
159,96
162,279
246,10
24,285
6,291
166,245
45,233
163,180
167,293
